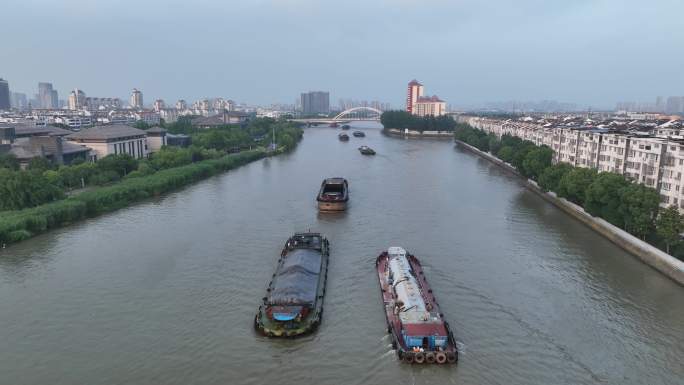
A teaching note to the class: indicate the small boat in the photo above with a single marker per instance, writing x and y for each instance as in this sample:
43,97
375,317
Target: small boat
333,125
333,195
343,137
346,126
293,304
365,150
359,134
417,327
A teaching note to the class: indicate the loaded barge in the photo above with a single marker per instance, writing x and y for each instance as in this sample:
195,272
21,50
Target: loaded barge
333,195
293,304
418,329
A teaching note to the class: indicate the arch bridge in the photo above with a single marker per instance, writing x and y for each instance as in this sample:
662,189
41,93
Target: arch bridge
358,113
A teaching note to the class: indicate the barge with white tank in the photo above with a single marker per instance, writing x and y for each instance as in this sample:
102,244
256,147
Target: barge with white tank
417,327
293,304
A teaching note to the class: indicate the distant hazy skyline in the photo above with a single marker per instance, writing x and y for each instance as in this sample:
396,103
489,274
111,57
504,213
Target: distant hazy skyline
589,52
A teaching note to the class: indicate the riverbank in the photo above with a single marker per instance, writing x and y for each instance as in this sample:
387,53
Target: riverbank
16,226
651,255
406,133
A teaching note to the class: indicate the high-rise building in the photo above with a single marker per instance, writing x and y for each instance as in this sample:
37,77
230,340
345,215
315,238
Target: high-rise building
18,100
4,95
415,91
158,105
420,105
47,96
77,99
181,105
136,99
315,102
673,105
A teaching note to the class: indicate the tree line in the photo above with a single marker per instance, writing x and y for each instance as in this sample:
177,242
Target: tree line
402,119
22,224
43,182
630,206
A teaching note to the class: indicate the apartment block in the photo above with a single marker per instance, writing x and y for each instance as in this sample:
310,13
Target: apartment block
653,156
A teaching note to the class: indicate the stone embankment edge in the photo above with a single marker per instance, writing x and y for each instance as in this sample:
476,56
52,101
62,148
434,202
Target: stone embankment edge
650,255
417,134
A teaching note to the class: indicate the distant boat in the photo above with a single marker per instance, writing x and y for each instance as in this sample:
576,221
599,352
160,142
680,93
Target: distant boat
365,150
343,137
346,126
333,195
359,134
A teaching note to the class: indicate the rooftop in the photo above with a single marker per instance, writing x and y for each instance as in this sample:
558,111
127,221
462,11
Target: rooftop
112,131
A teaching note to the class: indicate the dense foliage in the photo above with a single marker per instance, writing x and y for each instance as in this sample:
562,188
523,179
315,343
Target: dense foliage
44,182
21,224
630,206
403,119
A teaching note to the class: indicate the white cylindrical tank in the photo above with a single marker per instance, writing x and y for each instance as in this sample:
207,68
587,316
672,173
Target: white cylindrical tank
406,287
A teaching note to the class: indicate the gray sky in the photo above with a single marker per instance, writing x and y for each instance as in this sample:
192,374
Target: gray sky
262,51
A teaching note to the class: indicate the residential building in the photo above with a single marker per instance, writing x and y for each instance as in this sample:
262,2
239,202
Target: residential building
77,100
315,102
649,153
136,99
4,95
112,139
158,105
149,117
47,96
429,106
420,105
181,105
94,103
415,91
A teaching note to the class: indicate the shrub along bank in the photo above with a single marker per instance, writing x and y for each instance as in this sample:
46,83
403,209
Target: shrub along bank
630,206
22,224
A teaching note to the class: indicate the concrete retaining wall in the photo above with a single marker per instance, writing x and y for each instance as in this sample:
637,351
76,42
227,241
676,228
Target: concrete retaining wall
651,255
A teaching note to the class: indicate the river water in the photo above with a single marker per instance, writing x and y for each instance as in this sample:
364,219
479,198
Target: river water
165,292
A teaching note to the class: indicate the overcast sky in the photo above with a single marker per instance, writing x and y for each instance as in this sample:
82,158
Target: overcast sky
591,52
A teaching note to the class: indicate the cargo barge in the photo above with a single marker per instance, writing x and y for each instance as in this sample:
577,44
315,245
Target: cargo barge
333,195
293,305
417,327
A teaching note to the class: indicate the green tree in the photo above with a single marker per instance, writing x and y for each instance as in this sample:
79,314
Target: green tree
21,189
506,153
122,164
669,226
639,207
39,163
536,161
141,125
573,185
494,144
551,176
603,197
9,161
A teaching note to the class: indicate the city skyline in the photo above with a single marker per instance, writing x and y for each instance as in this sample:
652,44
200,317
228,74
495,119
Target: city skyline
476,54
